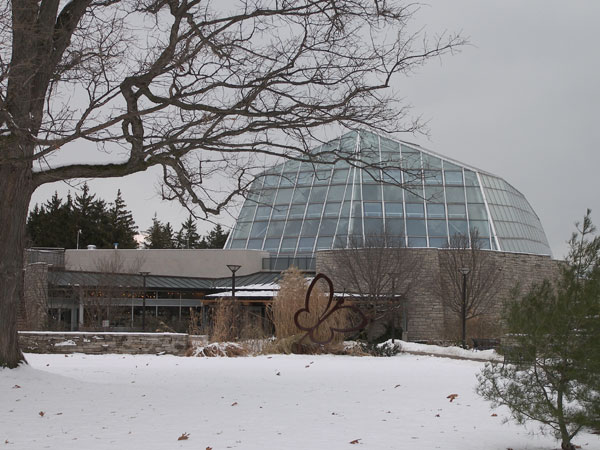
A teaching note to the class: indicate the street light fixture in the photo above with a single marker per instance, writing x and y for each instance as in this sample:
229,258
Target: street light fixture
234,268
144,275
465,271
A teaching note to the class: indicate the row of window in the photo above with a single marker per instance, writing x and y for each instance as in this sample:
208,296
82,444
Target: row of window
308,245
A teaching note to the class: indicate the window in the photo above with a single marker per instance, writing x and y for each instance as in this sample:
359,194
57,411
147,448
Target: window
336,193
328,227
283,196
306,244
373,227
310,227
437,242
436,211
332,209
271,244
455,195
415,228
339,176
259,230
297,211
322,176
288,245
415,210
437,228
305,178
314,210
432,176
372,192
324,243
292,227
394,227
275,228
417,242
263,212
255,244
434,194
373,209
279,212
453,177
457,212
317,195
474,195
477,211
300,195
393,209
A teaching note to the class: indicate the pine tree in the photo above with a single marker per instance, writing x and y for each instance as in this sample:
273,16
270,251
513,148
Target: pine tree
123,228
555,331
216,238
51,225
159,235
92,219
188,236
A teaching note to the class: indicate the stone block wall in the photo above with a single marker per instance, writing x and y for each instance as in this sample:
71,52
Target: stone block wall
428,318
102,342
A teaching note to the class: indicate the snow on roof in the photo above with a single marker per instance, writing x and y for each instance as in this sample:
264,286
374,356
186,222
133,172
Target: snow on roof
254,294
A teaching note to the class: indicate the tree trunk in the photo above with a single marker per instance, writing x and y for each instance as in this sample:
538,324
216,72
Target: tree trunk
15,194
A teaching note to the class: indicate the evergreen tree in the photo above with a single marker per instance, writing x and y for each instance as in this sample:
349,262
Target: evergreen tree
555,331
123,228
159,235
216,238
188,236
92,218
51,225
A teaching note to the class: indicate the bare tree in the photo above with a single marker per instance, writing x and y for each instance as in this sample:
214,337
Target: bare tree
201,89
108,293
380,273
469,281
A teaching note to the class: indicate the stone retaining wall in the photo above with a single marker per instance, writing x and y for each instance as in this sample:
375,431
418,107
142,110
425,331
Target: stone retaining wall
101,342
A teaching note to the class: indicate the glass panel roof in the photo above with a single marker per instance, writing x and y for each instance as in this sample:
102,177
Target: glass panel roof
316,206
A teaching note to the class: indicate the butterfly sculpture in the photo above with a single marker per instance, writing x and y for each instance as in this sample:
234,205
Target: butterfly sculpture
318,330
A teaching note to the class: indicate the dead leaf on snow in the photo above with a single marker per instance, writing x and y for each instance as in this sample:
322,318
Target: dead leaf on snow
398,385
16,386
355,441
452,397
494,415
183,437
208,448
41,413
234,404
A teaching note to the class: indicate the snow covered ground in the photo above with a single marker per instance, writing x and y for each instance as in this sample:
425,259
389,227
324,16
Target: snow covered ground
279,402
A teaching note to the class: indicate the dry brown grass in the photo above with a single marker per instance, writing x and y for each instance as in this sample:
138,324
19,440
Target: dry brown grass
290,299
226,320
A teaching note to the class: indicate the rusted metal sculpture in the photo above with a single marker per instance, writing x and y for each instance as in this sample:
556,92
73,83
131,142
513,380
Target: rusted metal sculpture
311,331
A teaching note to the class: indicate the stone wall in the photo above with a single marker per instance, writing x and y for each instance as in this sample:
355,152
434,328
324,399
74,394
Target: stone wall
428,318
101,342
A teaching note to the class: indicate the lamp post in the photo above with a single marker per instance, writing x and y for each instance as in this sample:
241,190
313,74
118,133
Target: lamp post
465,271
234,268
393,307
144,275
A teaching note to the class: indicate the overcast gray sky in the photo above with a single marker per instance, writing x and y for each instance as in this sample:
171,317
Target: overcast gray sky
521,101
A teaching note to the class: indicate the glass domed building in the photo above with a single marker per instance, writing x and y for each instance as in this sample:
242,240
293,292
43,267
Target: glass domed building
410,195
